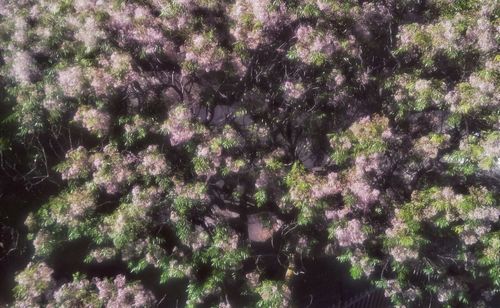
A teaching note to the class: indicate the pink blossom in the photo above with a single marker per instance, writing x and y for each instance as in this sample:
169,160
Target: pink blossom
371,16
398,226
485,213
52,101
113,170
80,201
178,125
119,293
71,81
88,5
311,43
402,254
358,257
339,79
261,227
484,86
252,279
102,82
233,165
90,33
24,68
20,35
65,295
262,12
204,51
366,195
153,162
77,164
337,214
293,91
145,198
263,180
327,188
41,240
94,120
485,35
351,234
102,254
196,191
249,34
36,281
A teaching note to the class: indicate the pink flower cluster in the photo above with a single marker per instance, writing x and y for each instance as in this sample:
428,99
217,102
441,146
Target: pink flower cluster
178,125
449,288
230,243
153,162
486,213
471,234
371,16
100,255
330,187
36,284
351,234
246,31
71,81
146,197
80,202
23,67
53,102
263,179
95,121
209,159
426,148
112,169
195,191
234,165
134,26
113,294
41,241
358,257
359,184
90,33
77,164
402,254
253,21
293,90
200,239
485,33
311,43
113,72
205,53
265,15
65,295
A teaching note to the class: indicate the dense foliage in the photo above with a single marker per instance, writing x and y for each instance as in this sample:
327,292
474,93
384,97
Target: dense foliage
203,141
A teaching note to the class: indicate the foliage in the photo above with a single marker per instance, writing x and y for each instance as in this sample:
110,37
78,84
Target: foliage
180,137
